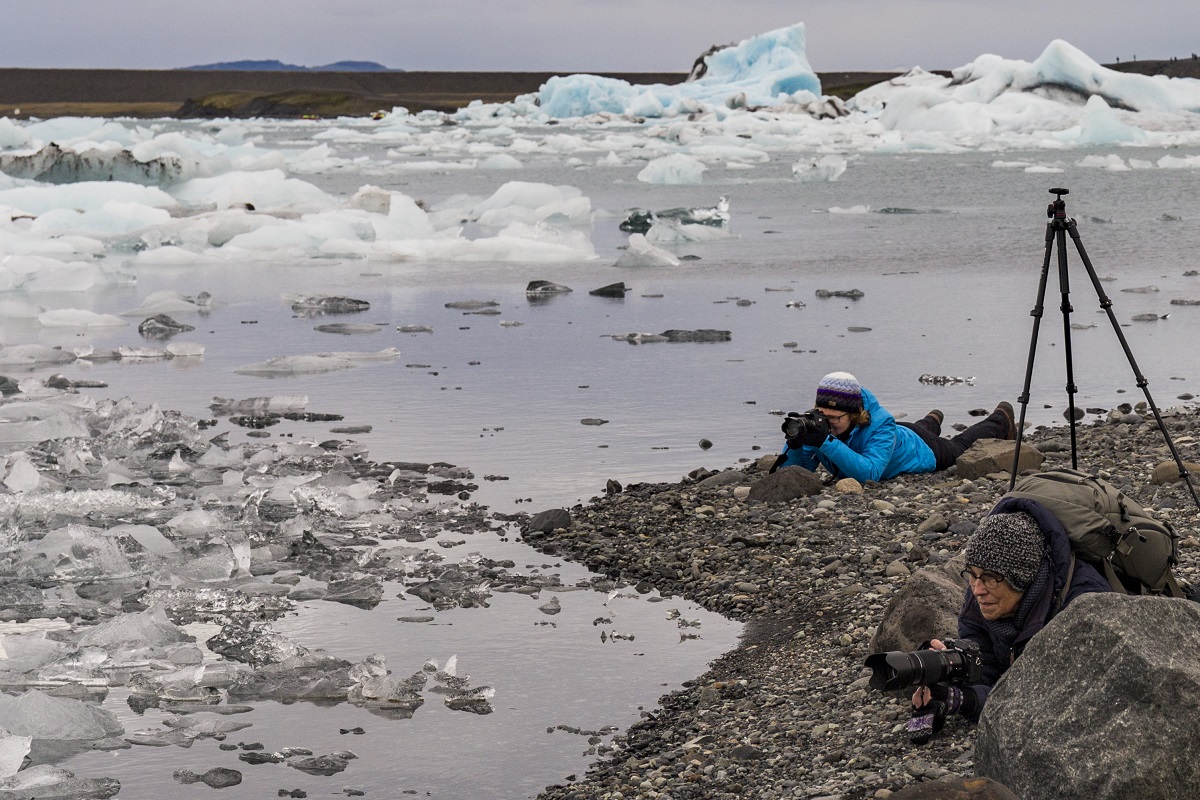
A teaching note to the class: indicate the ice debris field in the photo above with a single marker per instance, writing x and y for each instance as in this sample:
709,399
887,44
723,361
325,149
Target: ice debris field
84,201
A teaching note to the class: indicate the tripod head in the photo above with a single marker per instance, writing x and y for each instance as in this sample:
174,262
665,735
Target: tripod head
1057,210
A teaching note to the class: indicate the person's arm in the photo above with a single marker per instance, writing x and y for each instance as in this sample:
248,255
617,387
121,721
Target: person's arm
868,465
800,457
970,626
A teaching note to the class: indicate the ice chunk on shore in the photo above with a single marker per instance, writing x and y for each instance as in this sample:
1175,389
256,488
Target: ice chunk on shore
41,716
148,628
13,750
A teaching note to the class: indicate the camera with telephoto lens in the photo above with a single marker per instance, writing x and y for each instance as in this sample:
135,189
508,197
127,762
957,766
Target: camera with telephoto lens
958,664
811,421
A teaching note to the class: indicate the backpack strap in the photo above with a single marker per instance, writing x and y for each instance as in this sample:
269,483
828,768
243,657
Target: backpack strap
1111,576
1062,595
1172,588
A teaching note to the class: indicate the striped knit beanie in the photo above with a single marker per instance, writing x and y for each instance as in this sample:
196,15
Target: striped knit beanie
839,391
1010,545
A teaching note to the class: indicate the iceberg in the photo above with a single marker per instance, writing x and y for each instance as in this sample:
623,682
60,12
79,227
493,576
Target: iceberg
764,70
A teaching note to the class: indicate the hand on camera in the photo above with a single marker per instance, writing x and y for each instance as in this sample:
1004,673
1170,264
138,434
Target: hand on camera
810,428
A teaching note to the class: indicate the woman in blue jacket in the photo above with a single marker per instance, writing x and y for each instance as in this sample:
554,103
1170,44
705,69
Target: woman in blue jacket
865,442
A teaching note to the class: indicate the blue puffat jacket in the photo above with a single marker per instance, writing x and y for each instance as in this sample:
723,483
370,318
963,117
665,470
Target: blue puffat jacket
1000,645
875,452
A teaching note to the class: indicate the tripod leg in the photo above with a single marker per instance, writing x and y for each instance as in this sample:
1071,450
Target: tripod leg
1064,286
1142,383
1036,313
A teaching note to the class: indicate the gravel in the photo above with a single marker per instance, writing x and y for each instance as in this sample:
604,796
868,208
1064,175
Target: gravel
788,713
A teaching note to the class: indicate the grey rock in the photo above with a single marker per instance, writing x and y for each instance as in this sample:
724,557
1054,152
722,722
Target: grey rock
784,485
989,456
221,777
549,520
542,289
956,789
162,326
611,290
849,294
703,335
926,607
1094,685
324,304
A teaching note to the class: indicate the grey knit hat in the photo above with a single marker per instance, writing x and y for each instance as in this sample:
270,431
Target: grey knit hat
1008,544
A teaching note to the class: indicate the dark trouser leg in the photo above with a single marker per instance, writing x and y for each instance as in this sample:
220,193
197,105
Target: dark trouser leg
993,426
945,451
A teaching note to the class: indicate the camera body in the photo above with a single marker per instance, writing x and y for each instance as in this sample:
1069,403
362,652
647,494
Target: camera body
960,664
812,421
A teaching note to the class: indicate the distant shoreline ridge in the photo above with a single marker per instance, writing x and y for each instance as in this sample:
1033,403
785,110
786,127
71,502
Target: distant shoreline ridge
46,93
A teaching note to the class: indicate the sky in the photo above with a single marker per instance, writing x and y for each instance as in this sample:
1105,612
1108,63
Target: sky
577,35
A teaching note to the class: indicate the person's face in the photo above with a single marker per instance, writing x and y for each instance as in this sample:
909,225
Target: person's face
839,421
996,597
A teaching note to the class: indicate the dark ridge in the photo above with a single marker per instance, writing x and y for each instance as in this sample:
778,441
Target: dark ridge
208,92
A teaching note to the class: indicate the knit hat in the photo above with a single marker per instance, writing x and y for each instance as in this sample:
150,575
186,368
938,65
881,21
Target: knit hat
1010,545
840,391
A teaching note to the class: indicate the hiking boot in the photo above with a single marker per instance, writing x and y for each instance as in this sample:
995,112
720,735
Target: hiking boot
936,415
1005,408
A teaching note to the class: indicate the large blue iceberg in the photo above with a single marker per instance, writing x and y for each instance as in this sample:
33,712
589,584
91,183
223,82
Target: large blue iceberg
768,69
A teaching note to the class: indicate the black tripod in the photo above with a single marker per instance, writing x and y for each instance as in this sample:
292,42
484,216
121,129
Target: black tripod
1056,233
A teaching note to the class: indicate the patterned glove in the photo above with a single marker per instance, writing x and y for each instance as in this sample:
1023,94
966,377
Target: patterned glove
945,699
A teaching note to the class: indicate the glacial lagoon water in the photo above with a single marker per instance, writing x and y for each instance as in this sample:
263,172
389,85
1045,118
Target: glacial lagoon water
946,249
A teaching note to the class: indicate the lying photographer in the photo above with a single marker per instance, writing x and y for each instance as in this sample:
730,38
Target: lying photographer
853,436
1020,573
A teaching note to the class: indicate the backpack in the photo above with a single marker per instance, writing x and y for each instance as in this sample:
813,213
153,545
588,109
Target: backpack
1130,547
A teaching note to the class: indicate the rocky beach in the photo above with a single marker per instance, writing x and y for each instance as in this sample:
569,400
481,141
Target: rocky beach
789,712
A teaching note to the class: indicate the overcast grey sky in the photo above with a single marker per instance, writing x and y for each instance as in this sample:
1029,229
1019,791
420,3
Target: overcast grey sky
577,35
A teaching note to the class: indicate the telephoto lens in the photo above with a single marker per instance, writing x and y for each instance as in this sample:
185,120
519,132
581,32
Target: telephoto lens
959,663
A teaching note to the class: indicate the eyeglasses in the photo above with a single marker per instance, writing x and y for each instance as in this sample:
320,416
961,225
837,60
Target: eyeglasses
834,417
989,580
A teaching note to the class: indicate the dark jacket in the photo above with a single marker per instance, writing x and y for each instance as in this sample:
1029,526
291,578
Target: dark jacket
1000,645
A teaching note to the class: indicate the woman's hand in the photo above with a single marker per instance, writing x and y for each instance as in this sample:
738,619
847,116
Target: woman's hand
922,695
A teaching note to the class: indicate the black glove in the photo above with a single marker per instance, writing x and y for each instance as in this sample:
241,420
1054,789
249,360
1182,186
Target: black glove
810,428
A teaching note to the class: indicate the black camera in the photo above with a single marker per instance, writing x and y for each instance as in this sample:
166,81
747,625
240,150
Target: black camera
959,664
812,421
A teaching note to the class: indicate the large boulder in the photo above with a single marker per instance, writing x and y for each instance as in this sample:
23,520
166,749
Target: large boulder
955,789
987,456
786,484
1103,705
925,607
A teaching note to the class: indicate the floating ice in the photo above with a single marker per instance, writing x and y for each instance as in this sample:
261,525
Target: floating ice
78,318
826,168
763,70
314,363
639,220
640,253
673,170
168,302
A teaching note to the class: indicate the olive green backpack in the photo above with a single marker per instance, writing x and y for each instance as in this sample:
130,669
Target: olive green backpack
1134,550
